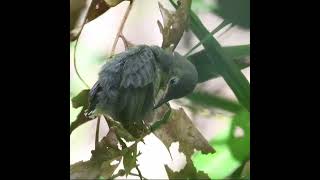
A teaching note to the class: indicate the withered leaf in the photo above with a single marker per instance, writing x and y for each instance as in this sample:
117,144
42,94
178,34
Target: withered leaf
101,6
188,172
77,8
110,140
113,3
93,169
180,128
119,129
84,170
174,24
103,162
96,9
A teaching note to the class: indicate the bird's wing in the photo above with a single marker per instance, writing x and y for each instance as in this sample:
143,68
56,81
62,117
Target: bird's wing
93,96
137,87
105,90
126,86
139,69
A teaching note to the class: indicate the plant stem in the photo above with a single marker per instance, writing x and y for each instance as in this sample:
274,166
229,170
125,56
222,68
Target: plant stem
139,172
124,19
97,134
218,28
76,45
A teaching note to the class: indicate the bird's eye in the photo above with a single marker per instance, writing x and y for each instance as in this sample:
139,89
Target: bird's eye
173,81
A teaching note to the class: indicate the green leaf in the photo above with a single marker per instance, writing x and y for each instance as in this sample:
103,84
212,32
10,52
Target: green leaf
231,151
243,172
240,146
237,52
207,71
130,159
237,12
217,29
81,100
228,69
214,101
163,120
225,66
203,6
246,170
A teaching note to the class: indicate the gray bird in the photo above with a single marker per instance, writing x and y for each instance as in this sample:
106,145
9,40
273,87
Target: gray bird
129,83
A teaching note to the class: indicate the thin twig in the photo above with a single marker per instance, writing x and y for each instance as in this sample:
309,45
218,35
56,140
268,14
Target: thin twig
140,176
76,45
124,19
218,28
75,63
127,44
139,172
97,134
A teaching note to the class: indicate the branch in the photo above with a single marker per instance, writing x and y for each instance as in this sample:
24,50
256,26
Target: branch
123,21
97,133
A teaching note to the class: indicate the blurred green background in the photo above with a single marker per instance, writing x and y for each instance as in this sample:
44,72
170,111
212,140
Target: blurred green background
218,115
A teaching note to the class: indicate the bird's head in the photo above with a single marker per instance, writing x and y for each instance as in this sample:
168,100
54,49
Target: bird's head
182,80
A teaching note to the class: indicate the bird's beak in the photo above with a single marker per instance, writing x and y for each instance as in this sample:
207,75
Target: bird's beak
162,101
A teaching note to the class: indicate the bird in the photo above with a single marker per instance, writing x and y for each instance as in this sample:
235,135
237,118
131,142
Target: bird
129,83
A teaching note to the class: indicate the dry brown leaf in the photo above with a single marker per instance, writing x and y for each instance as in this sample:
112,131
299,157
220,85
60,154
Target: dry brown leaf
96,9
180,128
102,162
188,172
85,170
77,9
174,24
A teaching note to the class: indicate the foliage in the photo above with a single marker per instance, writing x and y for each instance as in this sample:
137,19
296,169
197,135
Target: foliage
226,155
231,151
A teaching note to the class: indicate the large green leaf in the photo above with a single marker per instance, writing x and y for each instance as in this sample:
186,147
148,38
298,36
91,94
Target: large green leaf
203,6
214,101
225,66
237,12
207,71
228,69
